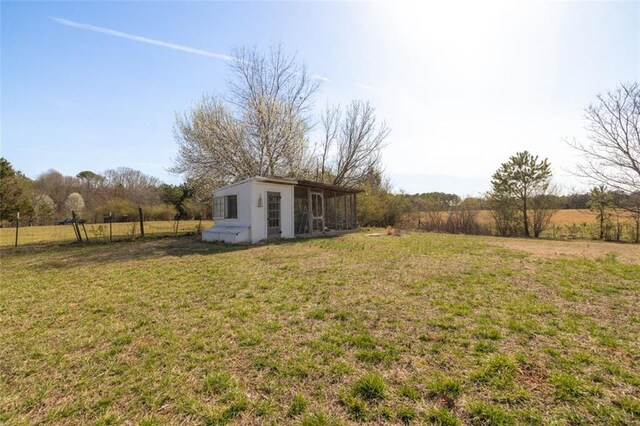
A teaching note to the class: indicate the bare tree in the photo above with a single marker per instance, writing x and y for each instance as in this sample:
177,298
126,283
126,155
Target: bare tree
57,187
259,128
92,188
330,122
132,185
355,138
612,151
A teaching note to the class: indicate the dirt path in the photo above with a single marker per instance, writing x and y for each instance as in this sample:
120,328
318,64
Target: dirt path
624,253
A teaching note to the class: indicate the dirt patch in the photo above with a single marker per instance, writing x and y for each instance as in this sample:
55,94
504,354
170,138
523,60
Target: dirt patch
624,253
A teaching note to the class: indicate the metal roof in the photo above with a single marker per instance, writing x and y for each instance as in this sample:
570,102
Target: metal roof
299,182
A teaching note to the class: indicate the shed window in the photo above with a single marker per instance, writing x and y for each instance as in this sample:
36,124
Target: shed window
225,207
232,207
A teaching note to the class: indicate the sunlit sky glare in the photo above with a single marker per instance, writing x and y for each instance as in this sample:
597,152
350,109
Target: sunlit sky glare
462,85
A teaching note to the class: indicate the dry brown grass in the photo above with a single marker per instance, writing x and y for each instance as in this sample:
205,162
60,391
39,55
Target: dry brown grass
562,217
95,231
626,253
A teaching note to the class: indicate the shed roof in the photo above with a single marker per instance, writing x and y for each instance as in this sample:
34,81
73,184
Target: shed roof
292,181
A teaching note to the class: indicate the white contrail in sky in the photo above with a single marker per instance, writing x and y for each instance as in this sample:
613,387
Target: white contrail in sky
140,39
319,77
365,86
155,42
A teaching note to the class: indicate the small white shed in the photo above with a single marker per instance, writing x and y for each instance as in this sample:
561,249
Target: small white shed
261,208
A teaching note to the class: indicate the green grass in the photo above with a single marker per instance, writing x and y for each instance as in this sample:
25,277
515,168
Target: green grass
418,329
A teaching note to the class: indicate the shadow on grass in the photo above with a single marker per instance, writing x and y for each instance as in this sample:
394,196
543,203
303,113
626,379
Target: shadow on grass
69,255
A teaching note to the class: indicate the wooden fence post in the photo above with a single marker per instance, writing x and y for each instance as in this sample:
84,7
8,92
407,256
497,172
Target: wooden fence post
141,222
110,228
75,226
86,237
17,226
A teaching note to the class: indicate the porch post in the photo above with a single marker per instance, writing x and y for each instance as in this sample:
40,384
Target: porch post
335,210
355,212
346,216
309,211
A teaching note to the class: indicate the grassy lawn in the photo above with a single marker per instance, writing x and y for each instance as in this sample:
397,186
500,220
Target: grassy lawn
423,328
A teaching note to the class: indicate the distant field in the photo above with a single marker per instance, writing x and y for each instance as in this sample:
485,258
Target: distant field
100,231
567,224
422,328
562,217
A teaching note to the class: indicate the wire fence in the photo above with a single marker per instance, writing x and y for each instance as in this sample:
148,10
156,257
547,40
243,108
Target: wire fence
98,232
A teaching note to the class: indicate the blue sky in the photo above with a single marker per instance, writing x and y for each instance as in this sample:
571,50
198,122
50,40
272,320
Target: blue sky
462,85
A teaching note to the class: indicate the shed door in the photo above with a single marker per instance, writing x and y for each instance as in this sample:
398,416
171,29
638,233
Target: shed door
273,215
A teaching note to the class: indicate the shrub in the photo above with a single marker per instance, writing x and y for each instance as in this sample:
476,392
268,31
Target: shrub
159,212
379,207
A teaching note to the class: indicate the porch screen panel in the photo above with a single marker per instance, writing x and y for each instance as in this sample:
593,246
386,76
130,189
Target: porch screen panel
301,210
330,209
340,207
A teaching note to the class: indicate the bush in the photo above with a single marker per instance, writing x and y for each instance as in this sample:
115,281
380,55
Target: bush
159,212
461,218
379,207
119,208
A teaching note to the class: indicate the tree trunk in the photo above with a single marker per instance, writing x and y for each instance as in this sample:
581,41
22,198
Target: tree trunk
526,217
601,225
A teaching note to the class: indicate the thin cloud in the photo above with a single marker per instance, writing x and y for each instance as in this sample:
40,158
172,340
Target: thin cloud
140,39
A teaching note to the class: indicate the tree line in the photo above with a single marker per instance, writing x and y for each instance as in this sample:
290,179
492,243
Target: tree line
119,192
264,125
523,199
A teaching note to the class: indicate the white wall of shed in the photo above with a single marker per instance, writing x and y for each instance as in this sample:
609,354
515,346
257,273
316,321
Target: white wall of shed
243,191
259,214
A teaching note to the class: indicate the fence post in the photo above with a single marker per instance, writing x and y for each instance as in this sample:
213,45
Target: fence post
17,226
110,228
86,237
141,222
75,226
419,224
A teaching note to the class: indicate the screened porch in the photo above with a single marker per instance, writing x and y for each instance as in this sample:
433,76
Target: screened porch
323,208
